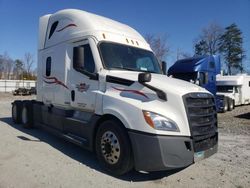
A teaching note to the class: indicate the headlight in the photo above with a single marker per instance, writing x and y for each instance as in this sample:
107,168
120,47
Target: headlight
160,122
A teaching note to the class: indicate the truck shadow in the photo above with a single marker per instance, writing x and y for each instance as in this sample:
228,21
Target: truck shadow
244,116
77,153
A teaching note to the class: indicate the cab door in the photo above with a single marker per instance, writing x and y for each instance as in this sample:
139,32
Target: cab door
82,78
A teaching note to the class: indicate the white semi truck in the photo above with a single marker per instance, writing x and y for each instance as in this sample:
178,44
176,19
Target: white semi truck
100,86
235,88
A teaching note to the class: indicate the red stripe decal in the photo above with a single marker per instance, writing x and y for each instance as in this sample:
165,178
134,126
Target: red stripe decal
54,80
69,25
132,91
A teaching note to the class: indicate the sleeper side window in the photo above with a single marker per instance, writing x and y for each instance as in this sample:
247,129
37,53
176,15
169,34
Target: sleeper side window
48,66
83,60
53,28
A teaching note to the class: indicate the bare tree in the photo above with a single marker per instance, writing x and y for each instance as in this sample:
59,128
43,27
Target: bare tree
28,62
18,69
208,42
34,72
159,45
1,66
180,54
8,65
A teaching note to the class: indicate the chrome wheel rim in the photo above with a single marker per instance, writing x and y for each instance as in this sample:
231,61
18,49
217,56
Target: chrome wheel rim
110,147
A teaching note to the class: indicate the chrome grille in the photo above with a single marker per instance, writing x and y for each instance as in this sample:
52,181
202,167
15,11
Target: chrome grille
202,117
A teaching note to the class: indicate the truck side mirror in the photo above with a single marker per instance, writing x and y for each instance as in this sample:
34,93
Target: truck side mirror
206,77
164,67
144,77
78,58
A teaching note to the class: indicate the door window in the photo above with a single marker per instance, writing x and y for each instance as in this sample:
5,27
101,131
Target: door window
83,60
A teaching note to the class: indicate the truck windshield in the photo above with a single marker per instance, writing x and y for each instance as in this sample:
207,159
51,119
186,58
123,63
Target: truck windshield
225,89
123,57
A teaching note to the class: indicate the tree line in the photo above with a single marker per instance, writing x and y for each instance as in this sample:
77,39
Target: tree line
213,40
227,42
17,69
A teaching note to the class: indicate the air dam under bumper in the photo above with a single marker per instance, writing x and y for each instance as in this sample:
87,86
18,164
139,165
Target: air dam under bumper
156,152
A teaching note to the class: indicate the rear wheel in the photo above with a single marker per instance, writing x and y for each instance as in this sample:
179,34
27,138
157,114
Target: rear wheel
27,114
225,108
230,104
113,148
16,112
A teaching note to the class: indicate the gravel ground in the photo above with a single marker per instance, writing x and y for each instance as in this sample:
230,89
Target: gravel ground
34,158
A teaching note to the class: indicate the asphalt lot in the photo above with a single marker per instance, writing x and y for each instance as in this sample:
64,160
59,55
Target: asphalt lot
35,158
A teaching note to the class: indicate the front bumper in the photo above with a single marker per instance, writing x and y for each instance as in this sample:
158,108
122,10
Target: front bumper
156,153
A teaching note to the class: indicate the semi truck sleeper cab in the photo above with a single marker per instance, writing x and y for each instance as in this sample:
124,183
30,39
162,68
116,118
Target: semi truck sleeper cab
100,86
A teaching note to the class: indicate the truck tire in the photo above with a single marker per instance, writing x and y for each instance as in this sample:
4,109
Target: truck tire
230,104
16,111
27,114
113,148
225,108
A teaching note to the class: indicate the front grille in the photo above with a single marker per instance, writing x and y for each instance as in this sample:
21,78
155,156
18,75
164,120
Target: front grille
202,117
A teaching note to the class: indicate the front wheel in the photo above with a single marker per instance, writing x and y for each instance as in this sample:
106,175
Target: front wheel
113,148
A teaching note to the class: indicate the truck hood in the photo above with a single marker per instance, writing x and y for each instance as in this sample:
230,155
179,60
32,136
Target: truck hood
161,82
133,99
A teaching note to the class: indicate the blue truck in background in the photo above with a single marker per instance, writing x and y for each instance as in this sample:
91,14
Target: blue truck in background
202,70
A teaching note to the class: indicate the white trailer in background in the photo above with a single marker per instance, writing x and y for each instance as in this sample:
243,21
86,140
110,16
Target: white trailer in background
236,88
11,85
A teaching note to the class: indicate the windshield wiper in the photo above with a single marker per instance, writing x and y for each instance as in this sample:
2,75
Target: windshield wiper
125,68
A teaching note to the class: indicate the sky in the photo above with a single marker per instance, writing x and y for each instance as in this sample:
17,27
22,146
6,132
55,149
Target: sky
180,20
